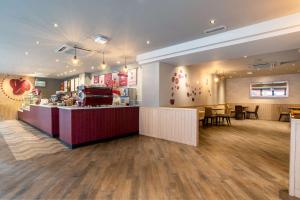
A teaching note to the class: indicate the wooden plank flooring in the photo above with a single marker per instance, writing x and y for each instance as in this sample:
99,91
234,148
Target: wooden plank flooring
246,161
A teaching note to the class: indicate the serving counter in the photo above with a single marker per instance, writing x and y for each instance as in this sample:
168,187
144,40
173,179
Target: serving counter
76,126
42,117
84,125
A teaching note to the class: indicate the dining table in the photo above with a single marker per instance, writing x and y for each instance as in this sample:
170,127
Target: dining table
217,110
294,108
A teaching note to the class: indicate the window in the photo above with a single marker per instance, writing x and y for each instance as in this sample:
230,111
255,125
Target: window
269,90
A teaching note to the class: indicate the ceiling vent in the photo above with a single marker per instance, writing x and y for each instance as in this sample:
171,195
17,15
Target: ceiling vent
65,48
215,29
261,66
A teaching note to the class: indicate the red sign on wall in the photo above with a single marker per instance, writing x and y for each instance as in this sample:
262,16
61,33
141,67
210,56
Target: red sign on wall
108,80
123,78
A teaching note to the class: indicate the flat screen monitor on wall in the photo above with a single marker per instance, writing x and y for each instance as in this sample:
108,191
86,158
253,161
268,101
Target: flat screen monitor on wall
278,89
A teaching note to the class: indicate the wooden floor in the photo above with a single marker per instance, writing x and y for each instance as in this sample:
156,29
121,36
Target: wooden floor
246,161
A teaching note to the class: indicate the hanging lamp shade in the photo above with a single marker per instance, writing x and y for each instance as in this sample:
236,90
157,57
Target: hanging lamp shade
75,60
103,64
125,65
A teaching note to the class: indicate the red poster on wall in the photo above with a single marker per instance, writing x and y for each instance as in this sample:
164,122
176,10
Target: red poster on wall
96,80
108,80
123,78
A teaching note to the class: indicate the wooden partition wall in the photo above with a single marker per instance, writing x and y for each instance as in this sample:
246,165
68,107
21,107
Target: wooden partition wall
267,111
173,124
8,111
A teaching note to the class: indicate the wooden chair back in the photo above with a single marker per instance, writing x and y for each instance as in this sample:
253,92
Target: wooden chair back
256,108
208,111
238,109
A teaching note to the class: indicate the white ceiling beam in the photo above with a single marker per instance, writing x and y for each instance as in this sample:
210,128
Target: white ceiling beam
268,29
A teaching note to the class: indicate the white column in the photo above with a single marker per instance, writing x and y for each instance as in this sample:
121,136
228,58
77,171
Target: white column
294,181
150,86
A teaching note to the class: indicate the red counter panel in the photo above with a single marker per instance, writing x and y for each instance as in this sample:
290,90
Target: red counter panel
81,126
42,117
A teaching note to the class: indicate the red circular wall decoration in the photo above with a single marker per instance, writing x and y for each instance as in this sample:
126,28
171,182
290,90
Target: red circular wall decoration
14,88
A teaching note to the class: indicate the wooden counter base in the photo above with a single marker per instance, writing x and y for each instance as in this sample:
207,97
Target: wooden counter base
85,126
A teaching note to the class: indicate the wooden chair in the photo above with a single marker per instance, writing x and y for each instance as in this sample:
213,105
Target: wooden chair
249,113
226,115
239,112
209,116
284,113
201,117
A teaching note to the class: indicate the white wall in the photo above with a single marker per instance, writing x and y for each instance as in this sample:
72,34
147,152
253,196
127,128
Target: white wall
238,89
199,79
195,86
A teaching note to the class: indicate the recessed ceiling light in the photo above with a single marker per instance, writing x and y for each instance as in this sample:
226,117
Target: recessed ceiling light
245,56
249,73
212,21
37,42
92,67
101,39
26,53
57,60
55,25
118,62
148,42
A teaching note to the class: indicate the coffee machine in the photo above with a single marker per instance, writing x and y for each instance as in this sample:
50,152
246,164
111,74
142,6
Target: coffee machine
94,96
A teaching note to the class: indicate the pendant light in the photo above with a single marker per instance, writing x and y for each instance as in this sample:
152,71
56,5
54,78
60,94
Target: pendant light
103,64
125,65
75,60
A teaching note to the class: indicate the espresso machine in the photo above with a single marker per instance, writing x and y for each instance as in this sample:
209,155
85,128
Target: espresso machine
94,96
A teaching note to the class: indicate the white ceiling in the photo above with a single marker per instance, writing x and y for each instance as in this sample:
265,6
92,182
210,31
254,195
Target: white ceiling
284,62
129,23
